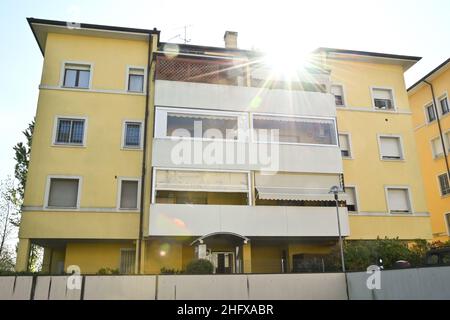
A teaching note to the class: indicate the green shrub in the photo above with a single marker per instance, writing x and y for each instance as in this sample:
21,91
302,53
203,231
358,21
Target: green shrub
105,271
199,266
165,270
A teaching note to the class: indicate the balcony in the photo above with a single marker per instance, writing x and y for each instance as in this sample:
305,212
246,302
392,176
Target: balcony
251,221
239,86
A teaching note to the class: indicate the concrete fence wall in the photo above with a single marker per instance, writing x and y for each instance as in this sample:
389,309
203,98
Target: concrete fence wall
425,283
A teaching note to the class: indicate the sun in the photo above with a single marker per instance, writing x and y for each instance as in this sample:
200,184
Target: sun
287,62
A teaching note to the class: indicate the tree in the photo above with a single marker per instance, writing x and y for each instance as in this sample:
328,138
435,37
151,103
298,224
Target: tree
22,156
7,209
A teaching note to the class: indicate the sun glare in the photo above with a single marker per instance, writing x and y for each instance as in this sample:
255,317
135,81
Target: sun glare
287,63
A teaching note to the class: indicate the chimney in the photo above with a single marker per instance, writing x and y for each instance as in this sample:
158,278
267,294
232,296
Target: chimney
230,38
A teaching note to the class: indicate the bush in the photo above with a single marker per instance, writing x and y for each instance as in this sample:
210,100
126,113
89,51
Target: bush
199,266
165,270
105,271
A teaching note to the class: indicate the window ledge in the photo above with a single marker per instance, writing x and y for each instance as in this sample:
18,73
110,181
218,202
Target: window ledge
131,149
393,160
68,145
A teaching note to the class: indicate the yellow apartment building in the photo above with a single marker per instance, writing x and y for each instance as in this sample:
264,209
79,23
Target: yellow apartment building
147,154
429,102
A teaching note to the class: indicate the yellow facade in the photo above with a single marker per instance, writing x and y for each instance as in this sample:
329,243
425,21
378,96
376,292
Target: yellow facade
93,235
419,97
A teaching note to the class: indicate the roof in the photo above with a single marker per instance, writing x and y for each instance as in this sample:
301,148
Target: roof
430,75
405,61
41,27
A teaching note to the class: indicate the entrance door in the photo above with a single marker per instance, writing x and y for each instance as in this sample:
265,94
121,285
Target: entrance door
223,262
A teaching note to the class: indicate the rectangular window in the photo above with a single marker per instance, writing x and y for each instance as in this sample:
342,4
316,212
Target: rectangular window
444,184
132,134
399,201
447,219
344,143
436,144
383,99
444,105
76,75
129,194
390,148
202,126
431,115
127,261
351,199
447,140
338,93
267,128
63,193
70,131
136,80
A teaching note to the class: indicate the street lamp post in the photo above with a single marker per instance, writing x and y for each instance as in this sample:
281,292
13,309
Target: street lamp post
335,190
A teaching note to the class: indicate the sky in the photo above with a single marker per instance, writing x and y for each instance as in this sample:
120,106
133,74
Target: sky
418,28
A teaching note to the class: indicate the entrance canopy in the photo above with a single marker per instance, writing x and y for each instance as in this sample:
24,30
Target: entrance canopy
230,235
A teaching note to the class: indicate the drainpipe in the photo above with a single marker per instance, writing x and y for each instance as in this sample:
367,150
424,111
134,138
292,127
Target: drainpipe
144,158
440,127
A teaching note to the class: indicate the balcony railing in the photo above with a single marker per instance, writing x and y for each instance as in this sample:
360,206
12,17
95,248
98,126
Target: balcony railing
229,72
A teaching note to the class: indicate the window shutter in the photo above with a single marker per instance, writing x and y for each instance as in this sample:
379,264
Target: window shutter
382,94
398,200
127,261
343,142
337,90
128,197
63,193
437,147
390,147
351,196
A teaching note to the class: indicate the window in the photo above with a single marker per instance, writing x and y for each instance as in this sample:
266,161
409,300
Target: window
398,200
338,93
390,148
294,130
444,105
444,184
383,99
70,131
200,124
129,194
447,139
132,135
201,187
436,145
344,143
447,220
63,192
431,115
76,75
136,79
351,198
127,261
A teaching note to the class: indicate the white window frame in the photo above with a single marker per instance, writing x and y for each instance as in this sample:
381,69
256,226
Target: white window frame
439,184
249,180
394,102
427,119
344,94
55,132
350,146
47,192
400,139
161,122
447,140
253,138
402,187
433,152
356,197
144,84
119,193
441,97
141,138
63,71
447,222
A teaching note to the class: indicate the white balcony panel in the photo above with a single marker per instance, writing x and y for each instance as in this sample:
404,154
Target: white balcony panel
288,157
235,98
257,221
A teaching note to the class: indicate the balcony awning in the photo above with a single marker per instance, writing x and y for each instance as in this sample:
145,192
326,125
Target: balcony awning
297,194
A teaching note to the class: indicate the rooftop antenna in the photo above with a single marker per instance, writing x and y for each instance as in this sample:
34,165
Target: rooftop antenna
179,36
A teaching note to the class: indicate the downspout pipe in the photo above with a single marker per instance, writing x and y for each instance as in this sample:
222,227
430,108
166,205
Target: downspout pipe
439,126
144,157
